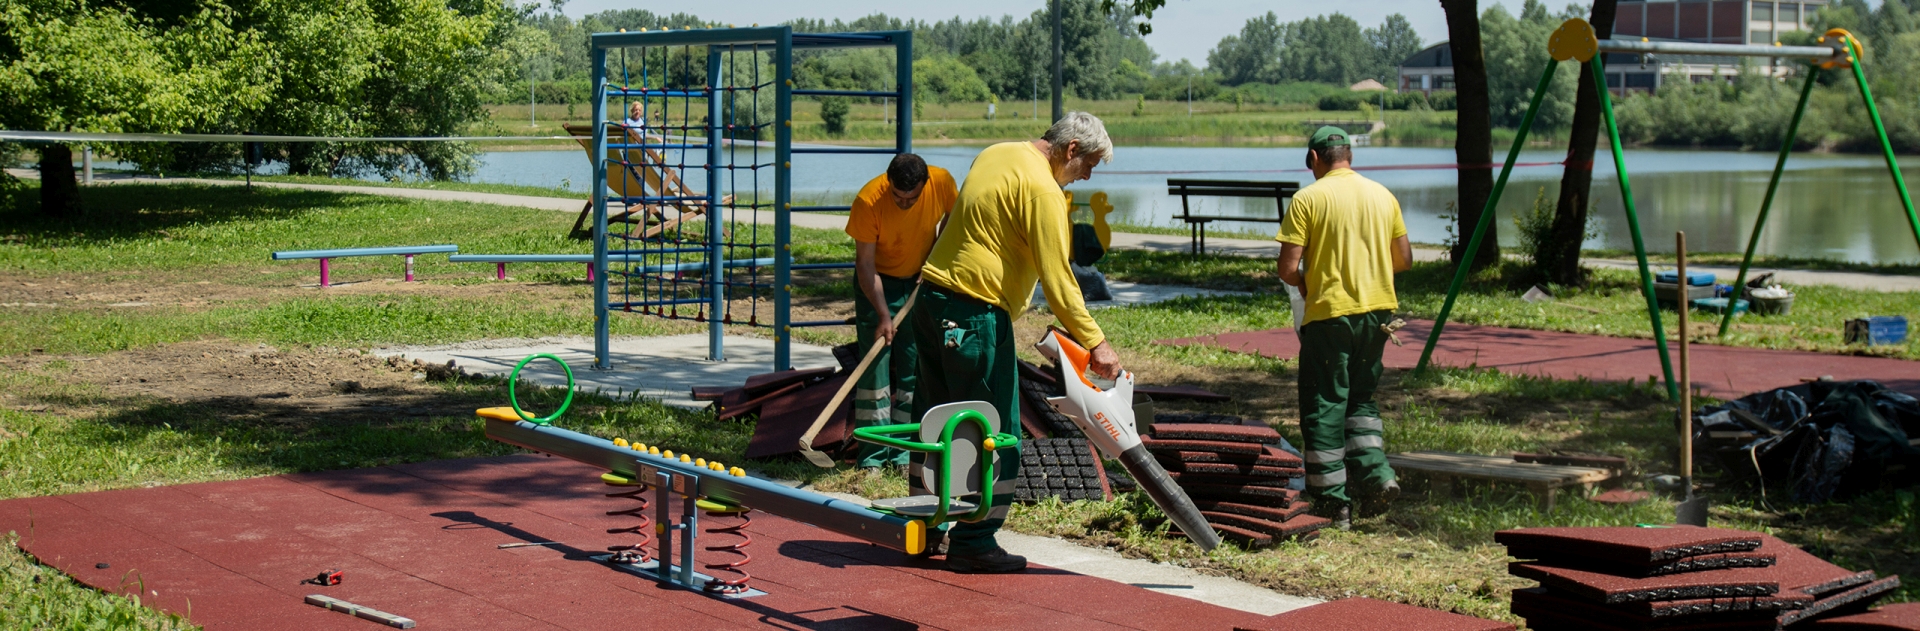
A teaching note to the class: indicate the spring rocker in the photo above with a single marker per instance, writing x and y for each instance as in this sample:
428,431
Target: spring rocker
959,457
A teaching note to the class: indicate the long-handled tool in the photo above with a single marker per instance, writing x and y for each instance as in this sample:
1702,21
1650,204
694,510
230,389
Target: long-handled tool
1691,511
1106,417
806,440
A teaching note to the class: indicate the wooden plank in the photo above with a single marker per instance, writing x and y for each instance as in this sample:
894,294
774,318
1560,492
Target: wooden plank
1495,468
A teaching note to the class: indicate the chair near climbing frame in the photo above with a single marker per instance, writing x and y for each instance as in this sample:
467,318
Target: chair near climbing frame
640,173
957,461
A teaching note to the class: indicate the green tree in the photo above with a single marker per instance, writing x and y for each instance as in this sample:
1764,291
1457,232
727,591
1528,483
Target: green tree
947,80
1251,56
1516,56
833,112
1393,42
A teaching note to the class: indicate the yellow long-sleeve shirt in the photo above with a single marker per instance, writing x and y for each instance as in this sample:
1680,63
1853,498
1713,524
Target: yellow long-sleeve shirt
1008,230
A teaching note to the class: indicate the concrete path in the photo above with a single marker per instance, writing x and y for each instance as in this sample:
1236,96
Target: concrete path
1255,248
1725,372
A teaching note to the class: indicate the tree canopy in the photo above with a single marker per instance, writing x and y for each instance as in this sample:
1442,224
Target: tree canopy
1330,48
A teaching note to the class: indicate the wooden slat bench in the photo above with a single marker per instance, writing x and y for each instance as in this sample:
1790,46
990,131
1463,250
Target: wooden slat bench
1544,480
1279,192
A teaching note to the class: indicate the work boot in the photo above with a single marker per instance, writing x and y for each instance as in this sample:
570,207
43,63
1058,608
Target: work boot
996,561
1377,502
1340,515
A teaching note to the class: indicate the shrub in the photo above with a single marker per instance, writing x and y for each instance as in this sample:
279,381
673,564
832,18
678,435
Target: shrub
1340,102
833,112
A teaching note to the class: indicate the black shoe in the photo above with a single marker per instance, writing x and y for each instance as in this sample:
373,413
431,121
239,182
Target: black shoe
1387,493
997,561
1341,515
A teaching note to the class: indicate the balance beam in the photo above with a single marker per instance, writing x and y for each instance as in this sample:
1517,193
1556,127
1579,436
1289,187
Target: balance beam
326,277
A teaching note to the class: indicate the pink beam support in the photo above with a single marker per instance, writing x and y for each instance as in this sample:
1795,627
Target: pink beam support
409,268
589,272
499,271
326,279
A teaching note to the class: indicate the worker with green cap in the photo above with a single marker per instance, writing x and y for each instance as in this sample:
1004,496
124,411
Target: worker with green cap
1009,229
1349,232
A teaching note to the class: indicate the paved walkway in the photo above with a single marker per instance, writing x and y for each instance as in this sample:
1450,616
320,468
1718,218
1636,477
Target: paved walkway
1725,372
1256,248
421,541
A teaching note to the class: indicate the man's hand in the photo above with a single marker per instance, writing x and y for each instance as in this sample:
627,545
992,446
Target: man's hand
1105,362
886,330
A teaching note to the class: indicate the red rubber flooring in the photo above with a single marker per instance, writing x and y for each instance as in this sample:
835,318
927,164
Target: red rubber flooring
421,541
1722,371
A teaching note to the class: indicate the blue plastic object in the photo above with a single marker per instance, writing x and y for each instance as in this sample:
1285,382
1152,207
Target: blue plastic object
1700,279
1877,330
1718,305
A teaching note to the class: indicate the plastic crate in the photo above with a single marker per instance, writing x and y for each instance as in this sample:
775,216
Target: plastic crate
1668,293
1877,330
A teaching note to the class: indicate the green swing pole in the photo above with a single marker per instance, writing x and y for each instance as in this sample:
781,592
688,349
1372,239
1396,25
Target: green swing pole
1847,43
1633,223
1486,217
1766,203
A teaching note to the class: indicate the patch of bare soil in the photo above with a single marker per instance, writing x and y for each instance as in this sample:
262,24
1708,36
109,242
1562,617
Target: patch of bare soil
67,290
252,382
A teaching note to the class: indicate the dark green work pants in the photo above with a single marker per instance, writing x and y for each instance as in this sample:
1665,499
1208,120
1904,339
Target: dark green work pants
966,353
1339,371
884,394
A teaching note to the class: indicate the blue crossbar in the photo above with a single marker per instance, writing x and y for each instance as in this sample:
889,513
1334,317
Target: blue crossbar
845,150
856,93
345,252
819,209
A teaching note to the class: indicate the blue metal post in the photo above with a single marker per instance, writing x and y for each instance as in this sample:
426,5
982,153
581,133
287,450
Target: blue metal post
601,335
903,83
716,250
783,199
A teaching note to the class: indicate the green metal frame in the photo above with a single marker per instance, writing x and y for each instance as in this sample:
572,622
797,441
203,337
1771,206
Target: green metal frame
1850,45
1499,187
884,435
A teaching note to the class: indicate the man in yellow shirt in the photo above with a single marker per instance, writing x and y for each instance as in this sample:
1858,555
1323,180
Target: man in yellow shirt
1349,231
1008,230
894,220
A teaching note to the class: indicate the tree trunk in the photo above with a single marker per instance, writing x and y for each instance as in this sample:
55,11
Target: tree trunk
59,188
1473,146
1561,253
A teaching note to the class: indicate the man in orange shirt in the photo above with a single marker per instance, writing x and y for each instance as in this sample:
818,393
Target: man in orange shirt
893,224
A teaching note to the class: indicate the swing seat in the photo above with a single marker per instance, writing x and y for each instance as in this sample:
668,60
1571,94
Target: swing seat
958,461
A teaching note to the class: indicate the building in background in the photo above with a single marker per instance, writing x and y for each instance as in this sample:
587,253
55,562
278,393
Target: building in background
1709,21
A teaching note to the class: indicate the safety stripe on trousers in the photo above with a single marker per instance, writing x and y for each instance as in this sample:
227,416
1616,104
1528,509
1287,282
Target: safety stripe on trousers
869,394
1326,456
1357,443
1365,423
1330,478
874,414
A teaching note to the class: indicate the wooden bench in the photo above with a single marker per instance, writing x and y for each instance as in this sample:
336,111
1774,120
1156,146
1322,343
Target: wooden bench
326,276
1544,480
1279,192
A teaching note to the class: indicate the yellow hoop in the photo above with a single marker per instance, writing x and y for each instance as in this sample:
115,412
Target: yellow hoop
1573,40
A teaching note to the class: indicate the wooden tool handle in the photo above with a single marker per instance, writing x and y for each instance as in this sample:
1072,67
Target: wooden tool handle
1686,378
806,440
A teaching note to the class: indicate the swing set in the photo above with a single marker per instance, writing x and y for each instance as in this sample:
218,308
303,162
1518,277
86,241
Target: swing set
1575,40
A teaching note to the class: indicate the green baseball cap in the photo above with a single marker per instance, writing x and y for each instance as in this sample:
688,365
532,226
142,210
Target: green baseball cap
1328,136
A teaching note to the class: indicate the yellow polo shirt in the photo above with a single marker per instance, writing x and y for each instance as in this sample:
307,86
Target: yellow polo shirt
1010,229
1347,223
903,237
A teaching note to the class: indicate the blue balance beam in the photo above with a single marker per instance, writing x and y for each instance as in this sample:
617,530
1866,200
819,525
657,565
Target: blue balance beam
500,262
326,278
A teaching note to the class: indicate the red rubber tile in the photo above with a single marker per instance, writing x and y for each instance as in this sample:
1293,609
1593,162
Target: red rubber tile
1243,494
1235,469
1560,621
1245,537
1856,598
1608,589
1290,528
1901,617
1161,445
1528,603
1267,513
1271,457
1620,497
1726,372
783,421
1624,545
1367,614
1207,431
1189,478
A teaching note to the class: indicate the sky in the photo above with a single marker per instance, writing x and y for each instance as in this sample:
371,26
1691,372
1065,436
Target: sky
1184,29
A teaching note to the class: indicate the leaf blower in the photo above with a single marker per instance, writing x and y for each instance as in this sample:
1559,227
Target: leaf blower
1105,415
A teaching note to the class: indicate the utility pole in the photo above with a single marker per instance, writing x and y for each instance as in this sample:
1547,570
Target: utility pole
1189,96
530,122
1059,97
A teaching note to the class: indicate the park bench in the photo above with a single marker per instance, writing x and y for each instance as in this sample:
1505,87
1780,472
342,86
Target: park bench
1280,192
326,276
500,262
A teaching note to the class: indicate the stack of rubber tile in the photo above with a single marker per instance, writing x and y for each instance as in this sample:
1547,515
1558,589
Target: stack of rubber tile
1678,578
1367,614
1901,617
1237,478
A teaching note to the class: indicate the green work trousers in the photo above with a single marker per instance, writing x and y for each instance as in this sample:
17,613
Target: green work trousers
884,394
967,354
1339,371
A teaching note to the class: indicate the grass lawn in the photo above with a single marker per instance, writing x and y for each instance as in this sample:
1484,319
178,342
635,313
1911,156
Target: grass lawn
168,285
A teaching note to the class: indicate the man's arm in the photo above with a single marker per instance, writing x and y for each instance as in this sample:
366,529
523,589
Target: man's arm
1289,265
1402,254
1051,243
867,277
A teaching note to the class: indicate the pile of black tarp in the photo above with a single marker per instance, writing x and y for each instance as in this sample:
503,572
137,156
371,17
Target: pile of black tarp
1824,440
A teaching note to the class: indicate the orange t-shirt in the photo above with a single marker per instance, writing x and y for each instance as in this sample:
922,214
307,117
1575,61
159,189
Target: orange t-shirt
904,236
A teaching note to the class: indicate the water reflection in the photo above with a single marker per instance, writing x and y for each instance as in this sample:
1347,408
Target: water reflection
1840,207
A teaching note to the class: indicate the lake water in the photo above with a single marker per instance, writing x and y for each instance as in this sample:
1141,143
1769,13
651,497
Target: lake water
1829,206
